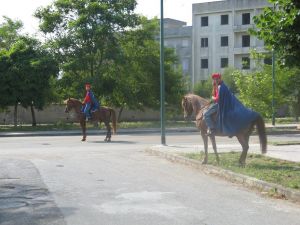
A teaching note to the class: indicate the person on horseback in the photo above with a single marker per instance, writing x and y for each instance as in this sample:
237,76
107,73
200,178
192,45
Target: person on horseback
214,107
90,102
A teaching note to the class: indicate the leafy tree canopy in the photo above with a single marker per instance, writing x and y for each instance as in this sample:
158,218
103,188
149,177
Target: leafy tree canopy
279,27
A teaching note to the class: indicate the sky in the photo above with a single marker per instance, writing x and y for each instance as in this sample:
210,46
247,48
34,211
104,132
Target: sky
24,9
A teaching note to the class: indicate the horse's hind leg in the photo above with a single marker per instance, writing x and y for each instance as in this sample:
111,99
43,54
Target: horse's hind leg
108,133
244,141
83,128
213,142
205,143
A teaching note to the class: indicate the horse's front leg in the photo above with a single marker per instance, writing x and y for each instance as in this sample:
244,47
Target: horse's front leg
83,128
244,141
108,133
213,142
205,143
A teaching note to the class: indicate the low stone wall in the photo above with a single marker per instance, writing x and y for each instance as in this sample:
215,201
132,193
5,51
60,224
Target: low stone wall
54,113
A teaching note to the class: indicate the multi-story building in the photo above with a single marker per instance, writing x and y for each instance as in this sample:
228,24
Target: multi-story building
221,37
179,37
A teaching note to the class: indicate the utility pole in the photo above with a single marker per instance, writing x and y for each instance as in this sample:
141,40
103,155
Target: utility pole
273,82
162,75
273,87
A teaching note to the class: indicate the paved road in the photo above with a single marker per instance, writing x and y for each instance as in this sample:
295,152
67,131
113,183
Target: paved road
59,180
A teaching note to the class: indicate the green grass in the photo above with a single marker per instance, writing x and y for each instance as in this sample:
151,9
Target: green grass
61,125
283,120
264,168
279,143
74,126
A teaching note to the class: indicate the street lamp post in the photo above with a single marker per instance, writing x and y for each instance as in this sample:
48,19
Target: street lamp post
162,75
273,87
273,82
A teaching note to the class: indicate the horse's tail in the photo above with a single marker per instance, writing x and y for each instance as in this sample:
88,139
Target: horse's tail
114,120
260,125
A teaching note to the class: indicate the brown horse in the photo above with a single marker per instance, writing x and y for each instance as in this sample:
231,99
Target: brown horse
195,104
104,114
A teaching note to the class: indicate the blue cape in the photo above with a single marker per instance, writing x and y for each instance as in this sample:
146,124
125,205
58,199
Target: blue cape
95,102
232,114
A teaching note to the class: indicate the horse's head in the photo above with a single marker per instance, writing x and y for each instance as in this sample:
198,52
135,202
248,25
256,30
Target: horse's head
69,105
187,106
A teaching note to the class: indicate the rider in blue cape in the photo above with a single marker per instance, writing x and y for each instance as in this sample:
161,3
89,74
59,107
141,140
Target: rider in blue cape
232,114
90,102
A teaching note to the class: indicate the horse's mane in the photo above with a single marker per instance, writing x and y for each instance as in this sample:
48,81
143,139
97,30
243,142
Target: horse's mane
199,98
76,101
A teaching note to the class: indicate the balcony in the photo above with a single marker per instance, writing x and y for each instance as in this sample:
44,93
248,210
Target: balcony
243,28
246,50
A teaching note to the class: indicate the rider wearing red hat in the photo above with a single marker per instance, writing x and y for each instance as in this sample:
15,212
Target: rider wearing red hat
213,108
90,102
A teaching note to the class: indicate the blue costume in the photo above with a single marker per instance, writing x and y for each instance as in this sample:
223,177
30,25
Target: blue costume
232,114
91,103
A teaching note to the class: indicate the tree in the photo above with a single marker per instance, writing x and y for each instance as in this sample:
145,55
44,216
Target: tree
42,67
83,34
255,88
132,81
9,32
25,72
279,27
138,79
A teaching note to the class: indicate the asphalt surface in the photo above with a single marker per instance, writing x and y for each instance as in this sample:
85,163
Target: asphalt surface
60,180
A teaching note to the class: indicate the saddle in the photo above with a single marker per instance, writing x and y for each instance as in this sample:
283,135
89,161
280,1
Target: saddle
200,116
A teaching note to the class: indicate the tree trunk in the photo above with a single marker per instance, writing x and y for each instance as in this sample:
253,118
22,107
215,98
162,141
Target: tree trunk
297,111
16,115
120,113
33,115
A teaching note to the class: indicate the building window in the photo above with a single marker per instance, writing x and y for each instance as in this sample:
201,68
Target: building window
204,42
185,65
224,19
204,63
246,41
204,21
245,63
224,62
245,18
224,41
268,61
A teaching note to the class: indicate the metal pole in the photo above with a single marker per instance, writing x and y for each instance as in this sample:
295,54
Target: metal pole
273,82
162,75
273,88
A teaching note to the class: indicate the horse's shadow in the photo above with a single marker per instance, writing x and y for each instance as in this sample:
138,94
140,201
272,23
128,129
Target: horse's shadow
114,142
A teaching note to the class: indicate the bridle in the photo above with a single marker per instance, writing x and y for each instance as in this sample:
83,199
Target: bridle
187,107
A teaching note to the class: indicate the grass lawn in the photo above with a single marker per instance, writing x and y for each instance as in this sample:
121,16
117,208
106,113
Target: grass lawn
264,168
74,126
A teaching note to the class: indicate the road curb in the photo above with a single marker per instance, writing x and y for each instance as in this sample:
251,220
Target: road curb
93,132
244,180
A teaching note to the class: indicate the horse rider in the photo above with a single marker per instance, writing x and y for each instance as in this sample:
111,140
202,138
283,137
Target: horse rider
214,107
90,102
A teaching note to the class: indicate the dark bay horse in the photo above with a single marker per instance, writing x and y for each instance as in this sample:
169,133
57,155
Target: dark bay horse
104,114
195,104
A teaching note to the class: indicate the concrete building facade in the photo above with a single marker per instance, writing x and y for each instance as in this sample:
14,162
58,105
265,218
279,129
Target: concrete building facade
221,38
179,37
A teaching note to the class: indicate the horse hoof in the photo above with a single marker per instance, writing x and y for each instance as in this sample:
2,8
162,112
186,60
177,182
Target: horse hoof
204,162
83,139
242,165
